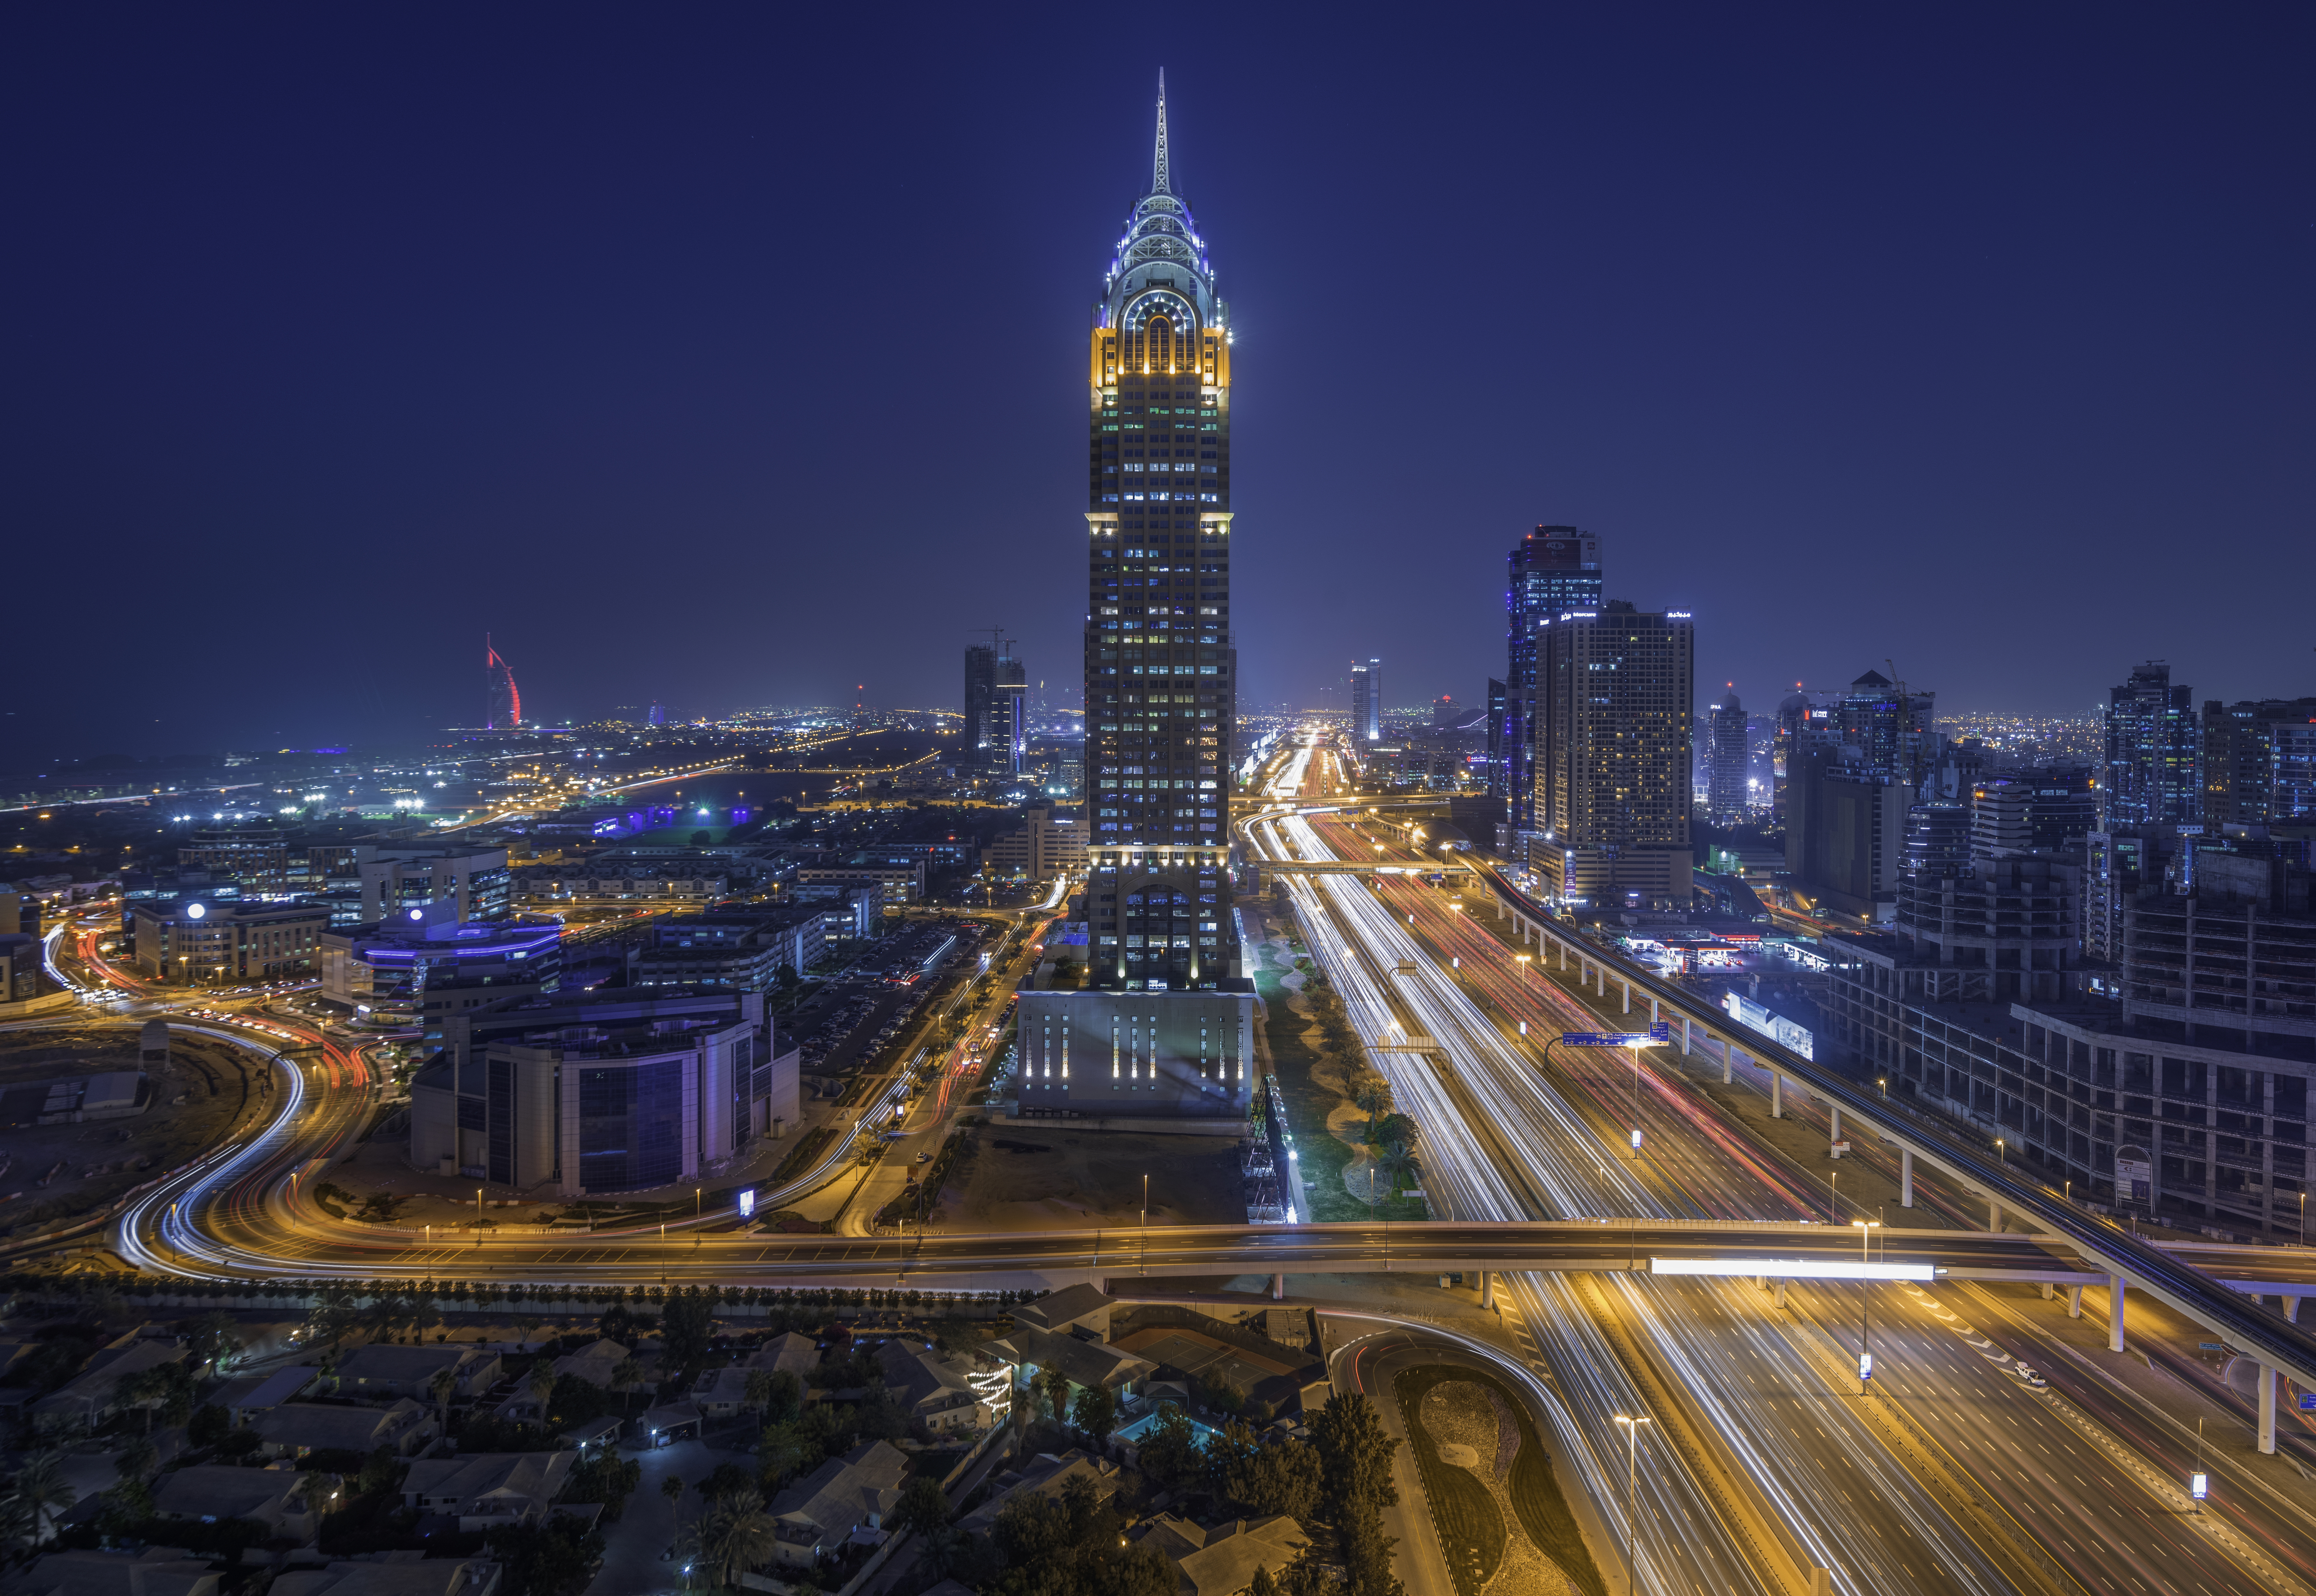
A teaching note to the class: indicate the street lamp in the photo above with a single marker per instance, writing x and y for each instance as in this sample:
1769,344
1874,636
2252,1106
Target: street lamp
1637,1098
1632,1468
1865,1228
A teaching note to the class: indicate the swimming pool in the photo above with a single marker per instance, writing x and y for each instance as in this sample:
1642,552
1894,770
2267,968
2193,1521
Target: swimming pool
1149,1422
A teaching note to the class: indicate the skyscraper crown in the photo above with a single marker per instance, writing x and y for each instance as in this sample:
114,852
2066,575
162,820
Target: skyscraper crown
1160,267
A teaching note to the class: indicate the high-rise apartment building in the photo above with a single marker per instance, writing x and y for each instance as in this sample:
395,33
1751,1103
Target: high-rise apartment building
1366,700
1555,571
1614,755
2260,762
2151,752
1499,703
2025,811
1727,756
1159,661
996,690
980,688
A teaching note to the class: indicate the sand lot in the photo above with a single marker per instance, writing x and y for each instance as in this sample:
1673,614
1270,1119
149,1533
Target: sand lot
101,1158
1056,1179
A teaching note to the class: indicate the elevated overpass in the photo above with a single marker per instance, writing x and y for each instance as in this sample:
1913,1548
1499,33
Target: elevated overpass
1454,864
2227,1307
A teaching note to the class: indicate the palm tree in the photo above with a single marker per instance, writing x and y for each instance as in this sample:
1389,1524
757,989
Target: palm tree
216,1336
443,1382
525,1325
734,1537
627,1375
541,1385
1396,1162
383,1316
144,1388
759,1391
41,1493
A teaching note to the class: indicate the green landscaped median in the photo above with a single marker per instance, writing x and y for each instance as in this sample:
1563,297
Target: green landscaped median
1477,1449
1322,1157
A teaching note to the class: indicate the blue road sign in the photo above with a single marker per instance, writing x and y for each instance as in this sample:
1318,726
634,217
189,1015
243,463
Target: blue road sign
1616,1038
2308,1401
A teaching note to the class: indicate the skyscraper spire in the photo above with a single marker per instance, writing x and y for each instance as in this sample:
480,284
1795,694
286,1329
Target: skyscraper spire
1158,176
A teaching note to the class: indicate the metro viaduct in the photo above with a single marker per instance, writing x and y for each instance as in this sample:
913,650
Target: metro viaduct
2276,1340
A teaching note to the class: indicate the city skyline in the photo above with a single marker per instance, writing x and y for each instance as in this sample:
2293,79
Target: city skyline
266,365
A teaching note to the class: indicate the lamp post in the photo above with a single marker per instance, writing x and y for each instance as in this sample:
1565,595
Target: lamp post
1632,1470
1636,1099
1865,1228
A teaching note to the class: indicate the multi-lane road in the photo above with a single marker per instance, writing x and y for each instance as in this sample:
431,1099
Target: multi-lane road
1764,1462
1959,1474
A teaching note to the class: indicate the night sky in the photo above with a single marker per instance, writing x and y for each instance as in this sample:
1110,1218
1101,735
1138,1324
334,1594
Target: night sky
697,357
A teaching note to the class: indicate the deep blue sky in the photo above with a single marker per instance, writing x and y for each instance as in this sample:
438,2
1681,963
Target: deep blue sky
699,356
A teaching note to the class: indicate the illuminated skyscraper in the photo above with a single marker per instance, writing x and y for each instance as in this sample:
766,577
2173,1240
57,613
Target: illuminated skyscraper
1159,659
1727,798
996,692
2152,743
1366,700
1613,752
1555,571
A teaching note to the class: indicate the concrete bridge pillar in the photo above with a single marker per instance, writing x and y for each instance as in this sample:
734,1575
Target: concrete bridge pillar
1684,1036
1653,1020
2074,1302
2266,1409
1905,1177
1488,1288
1628,990
1835,1135
1278,1288
1563,958
1777,1096
2049,1290
1993,1215
1728,1063
2114,1313
2292,1310
1781,1293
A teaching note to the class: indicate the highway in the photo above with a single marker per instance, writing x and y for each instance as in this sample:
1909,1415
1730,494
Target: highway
1523,1158
1802,1437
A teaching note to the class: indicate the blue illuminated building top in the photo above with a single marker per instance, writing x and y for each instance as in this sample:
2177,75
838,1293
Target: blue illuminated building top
1161,267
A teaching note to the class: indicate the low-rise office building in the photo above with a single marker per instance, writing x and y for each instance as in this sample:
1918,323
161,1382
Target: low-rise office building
586,1093
742,949
1047,844
427,964
205,940
396,880
902,881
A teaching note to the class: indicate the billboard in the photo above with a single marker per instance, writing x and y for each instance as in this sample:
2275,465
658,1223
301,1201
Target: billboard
748,1203
2134,1178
